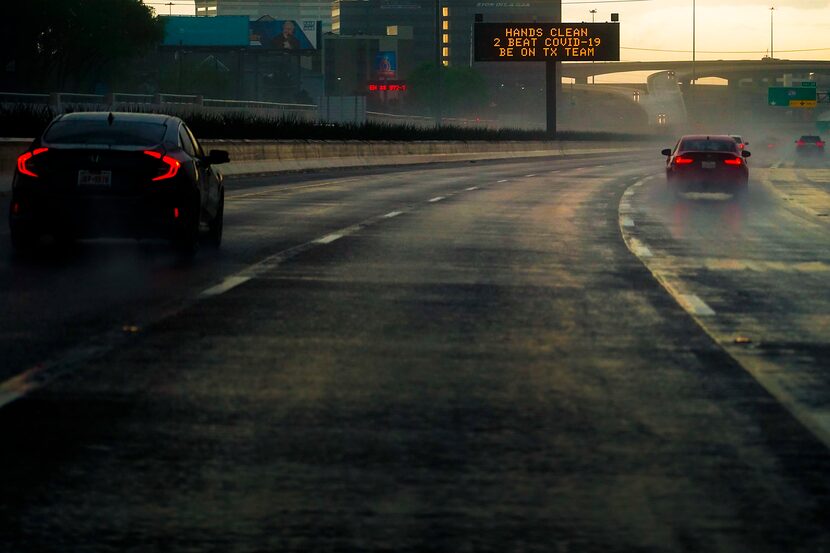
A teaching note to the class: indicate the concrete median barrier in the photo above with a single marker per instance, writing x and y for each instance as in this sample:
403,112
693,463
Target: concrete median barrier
269,156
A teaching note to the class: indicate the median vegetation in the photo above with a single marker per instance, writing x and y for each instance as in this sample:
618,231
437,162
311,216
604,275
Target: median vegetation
26,121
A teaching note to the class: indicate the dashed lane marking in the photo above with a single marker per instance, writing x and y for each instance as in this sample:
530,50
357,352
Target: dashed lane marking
470,189
329,238
530,175
627,222
435,199
502,180
392,214
228,284
695,305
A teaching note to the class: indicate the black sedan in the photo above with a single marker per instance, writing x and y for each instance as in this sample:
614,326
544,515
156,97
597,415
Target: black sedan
809,144
117,175
701,163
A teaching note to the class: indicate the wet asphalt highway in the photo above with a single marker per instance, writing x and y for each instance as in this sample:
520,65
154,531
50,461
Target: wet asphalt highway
492,356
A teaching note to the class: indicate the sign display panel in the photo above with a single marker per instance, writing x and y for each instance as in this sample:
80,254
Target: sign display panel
284,34
547,42
792,97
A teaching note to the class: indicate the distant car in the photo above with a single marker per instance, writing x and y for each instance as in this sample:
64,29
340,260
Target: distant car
771,142
707,164
809,144
739,141
117,175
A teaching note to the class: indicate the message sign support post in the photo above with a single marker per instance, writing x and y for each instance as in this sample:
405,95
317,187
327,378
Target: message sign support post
550,98
549,43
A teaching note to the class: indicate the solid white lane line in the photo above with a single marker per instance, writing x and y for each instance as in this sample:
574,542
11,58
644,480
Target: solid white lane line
471,188
227,284
436,199
695,305
329,238
392,214
531,175
502,180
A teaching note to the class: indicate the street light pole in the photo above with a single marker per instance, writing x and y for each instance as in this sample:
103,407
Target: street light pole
593,77
694,19
771,19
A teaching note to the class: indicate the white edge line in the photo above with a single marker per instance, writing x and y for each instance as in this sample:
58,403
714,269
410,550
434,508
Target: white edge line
693,304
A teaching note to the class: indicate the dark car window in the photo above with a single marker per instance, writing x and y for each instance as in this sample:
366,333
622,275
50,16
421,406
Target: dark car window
185,142
119,133
708,145
811,138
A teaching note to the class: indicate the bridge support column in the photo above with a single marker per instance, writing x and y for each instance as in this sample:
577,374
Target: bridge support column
580,80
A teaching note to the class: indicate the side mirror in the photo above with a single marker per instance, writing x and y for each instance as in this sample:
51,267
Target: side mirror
216,157
666,152
745,153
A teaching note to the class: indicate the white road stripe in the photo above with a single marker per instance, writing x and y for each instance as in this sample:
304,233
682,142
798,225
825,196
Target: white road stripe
328,239
531,175
392,214
471,188
436,199
695,305
225,285
640,249
502,180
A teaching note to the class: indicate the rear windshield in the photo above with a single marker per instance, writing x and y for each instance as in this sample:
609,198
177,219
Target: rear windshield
120,133
809,138
708,145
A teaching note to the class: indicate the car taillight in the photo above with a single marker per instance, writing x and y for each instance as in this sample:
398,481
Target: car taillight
732,161
23,160
680,160
820,144
799,142
172,168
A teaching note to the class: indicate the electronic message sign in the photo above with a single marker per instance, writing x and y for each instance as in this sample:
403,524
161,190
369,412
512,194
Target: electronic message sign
547,42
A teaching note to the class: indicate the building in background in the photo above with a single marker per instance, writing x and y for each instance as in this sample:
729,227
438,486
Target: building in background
304,10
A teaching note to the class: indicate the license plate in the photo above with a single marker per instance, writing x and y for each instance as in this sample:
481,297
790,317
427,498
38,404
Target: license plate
707,164
94,178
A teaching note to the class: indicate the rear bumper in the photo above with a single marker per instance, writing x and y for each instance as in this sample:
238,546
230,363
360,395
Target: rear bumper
146,216
726,180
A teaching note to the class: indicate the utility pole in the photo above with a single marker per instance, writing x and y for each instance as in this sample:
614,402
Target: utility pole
169,8
771,27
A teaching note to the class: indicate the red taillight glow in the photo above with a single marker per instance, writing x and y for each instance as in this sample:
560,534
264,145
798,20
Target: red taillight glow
680,160
820,144
175,212
15,208
21,161
732,161
172,164
800,142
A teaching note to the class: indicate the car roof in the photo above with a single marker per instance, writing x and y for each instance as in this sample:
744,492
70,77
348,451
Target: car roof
707,137
157,118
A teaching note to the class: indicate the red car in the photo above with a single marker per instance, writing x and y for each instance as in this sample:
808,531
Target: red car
707,163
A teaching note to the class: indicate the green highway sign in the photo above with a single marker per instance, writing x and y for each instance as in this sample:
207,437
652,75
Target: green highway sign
808,83
792,97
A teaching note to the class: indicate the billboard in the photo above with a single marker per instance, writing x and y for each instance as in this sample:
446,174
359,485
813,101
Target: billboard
284,34
224,30
386,65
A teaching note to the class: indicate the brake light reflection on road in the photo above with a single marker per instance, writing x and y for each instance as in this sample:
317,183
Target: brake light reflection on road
21,161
